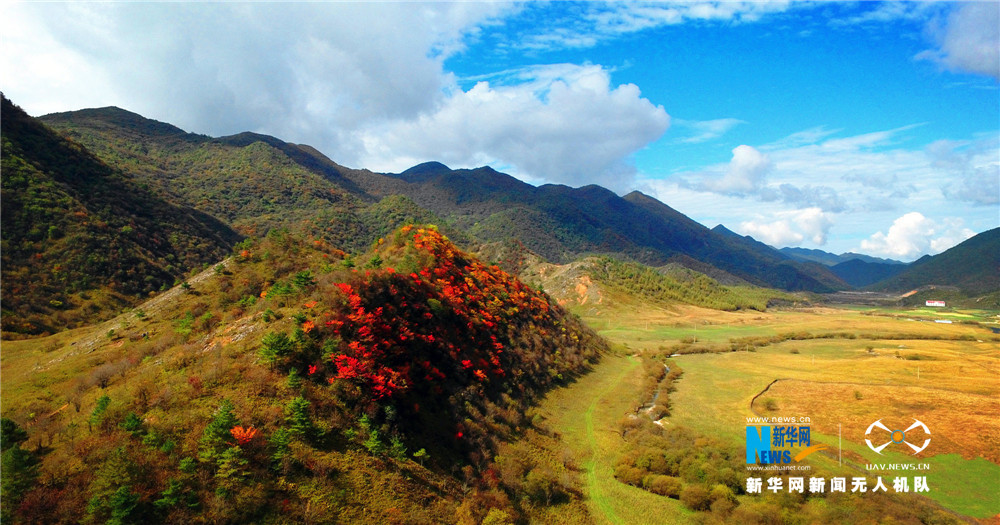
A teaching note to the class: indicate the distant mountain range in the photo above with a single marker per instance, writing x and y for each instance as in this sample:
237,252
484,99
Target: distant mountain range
831,259
855,269
199,194
562,224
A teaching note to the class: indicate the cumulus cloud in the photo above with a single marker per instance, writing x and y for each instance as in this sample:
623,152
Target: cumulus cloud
745,174
561,123
363,82
969,40
790,228
914,234
304,72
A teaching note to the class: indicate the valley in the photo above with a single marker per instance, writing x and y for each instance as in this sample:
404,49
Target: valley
844,369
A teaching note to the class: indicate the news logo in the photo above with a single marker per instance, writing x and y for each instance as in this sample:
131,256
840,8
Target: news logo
898,436
775,444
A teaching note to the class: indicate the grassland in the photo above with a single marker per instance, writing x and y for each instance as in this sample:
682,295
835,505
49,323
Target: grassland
587,415
846,368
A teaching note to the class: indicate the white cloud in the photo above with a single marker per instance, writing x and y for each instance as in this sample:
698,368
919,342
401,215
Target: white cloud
363,82
914,234
973,166
969,40
790,228
561,123
851,183
883,12
626,17
775,233
744,175
586,24
314,72
704,130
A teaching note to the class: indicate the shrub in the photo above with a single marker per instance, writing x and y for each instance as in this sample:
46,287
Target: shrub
696,497
669,486
542,486
217,435
97,416
629,475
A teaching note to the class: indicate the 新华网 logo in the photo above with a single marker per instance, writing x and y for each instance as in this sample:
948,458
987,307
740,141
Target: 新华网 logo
774,444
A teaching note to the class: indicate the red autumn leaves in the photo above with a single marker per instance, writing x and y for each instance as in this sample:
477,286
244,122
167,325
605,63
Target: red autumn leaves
244,435
448,322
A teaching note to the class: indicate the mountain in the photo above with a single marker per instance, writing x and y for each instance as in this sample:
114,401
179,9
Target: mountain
81,238
562,224
859,273
251,181
296,186
831,259
289,386
972,266
855,269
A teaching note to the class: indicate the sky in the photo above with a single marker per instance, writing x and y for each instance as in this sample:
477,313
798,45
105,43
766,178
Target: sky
843,126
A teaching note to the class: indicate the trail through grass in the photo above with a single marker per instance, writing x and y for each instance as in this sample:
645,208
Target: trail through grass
587,413
596,494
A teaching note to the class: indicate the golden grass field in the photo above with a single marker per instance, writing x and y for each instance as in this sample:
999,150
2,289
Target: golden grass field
888,365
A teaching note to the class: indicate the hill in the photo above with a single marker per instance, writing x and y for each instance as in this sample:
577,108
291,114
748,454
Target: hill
296,185
973,266
81,238
859,273
291,385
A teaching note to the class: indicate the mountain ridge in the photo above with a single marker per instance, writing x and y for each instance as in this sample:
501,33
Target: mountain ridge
73,245
832,259
557,222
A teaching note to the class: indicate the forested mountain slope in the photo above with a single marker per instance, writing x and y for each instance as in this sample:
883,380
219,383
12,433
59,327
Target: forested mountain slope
81,238
253,182
562,223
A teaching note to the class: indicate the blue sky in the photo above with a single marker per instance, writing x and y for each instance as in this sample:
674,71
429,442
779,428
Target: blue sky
870,127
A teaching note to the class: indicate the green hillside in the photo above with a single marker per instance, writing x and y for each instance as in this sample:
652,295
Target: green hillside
256,182
81,238
292,385
972,266
680,285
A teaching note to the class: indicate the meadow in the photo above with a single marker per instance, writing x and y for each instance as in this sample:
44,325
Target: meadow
844,368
